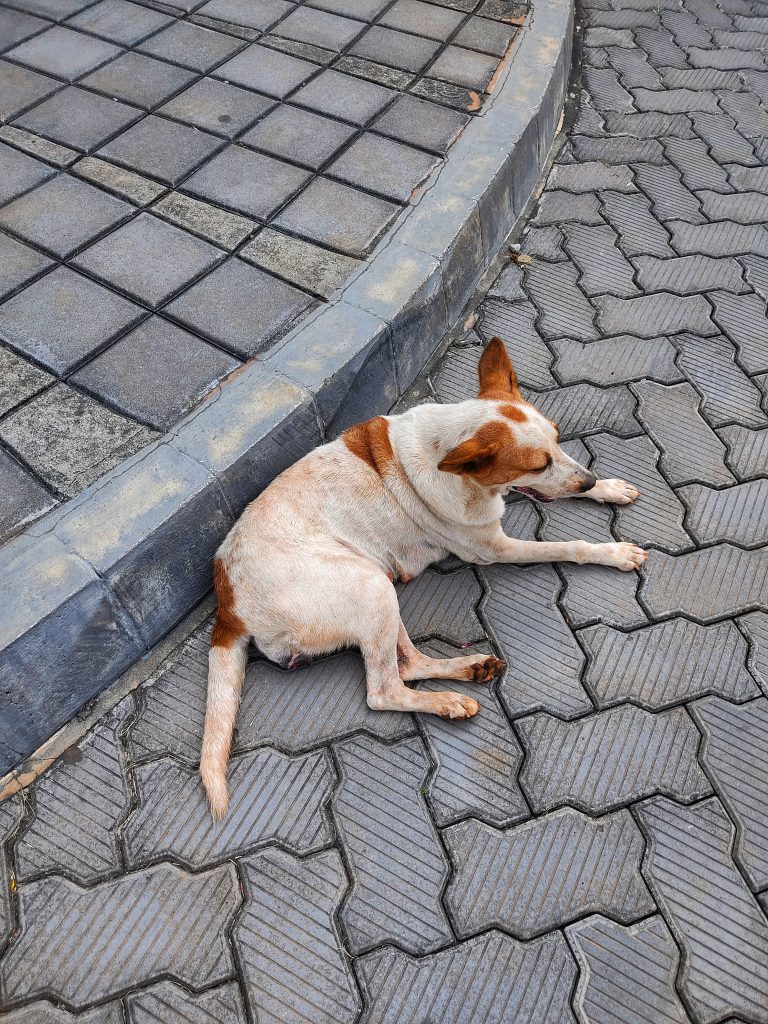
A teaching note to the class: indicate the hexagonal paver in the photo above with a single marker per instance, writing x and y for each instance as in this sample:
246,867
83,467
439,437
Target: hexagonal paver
61,52
78,118
397,864
610,759
299,136
164,921
162,149
274,798
289,943
544,873
690,872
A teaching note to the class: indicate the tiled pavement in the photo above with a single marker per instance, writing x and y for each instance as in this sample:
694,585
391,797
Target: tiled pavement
183,181
593,846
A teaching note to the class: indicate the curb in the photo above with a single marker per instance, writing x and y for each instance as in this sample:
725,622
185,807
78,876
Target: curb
100,580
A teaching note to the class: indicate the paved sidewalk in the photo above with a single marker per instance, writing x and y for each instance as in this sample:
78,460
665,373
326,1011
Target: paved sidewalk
593,846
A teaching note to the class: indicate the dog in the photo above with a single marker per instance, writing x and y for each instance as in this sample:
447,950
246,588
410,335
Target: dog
309,567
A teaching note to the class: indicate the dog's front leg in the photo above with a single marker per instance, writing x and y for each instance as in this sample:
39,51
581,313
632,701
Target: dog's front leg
497,547
617,492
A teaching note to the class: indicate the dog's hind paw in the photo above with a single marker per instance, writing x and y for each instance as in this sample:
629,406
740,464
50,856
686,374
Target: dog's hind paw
486,670
454,705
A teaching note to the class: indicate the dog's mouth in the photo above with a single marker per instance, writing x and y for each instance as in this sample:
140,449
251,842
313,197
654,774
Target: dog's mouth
531,492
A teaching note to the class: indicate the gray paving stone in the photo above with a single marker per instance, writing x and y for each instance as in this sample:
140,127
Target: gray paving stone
299,136
657,314
686,275
217,107
20,87
37,321
590,177
162,149
236,12
63,214
740,208
274,798
546,662
670,199
192,46
173,1005
728,395
750,117
635,71
392,78
661,47
723,238
615,360
618,150
316,270
700,78
603,36
544,242
545,873
51,152
582,520
638,230
610,759
525,982
690,449
119,21
69,440
292,953
698,169
655,519
423,19
599,593
163,921
240,307
747,450
725,59
606,90
18,265
649,125
149,259
756,268
556,207
601,263
743,319
735,514
19,172
384,166
156,373
626,974
706,585
420,123
320,28
398,868
675,101
350,99
11,811
338,216
665,664
16,26
227,230
514,322
43,1012
521,519
61,52
140,80
734,750
690,872
449,95
563,309
398,49
725,143
755,628
434,604
508,286
133,187
464,67
19,380
266,71
582,408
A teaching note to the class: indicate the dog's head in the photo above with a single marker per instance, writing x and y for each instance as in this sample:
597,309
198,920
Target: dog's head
517,448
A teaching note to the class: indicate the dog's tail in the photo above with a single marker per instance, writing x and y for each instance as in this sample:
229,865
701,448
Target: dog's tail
226,670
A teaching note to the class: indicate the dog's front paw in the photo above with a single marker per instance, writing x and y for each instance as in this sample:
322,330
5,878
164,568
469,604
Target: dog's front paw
622,556
454,705
617,492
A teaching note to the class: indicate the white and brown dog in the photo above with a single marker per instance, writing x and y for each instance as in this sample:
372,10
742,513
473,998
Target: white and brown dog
309,566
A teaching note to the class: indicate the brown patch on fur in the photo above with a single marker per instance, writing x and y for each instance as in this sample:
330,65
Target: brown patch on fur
228,627
513,412
370,442
492,456
497,377
485,671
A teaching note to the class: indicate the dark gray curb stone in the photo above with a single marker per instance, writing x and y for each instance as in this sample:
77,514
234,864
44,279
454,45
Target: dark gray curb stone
112,571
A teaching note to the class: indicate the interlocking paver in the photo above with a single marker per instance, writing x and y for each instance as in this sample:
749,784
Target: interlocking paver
583,408
563,309
667,663
168,1002
739,208
602,265
734,754
747,450
590,177
650,315
587,520
398,868
725,143
626,974
606,90
639,231
289,943
556,207
596,593
650,125
514,322
670,199
728,395
615,360
617,150
688,868
743,319
274,798
164,921
755,628
736,514
687,275
444,606
528,983
610,759
11,811
545,873
723,238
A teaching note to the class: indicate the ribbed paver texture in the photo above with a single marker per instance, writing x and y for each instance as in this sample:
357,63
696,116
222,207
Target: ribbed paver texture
592,847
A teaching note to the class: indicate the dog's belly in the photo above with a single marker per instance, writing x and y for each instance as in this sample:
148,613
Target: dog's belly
408,560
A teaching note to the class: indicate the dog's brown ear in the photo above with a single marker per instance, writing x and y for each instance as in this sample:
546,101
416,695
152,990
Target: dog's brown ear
470,457
497,377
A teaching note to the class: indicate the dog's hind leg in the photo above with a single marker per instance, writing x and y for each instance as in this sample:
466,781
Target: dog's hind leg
474,668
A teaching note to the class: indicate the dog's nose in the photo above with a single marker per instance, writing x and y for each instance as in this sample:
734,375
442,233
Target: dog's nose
589,482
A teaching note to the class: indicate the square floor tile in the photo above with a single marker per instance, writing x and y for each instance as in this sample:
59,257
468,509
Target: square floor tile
161,149
421,123
217,107
422,19
62,214
79,119
400,50
19,172
320,28
63,318
192,46
18,264
120,21
21,88
19,380
488,36
63,53
343,96
259,14
464,67
24,497
16,26
299,136
240,307
384,166
149,259
366,10
338,216
156,373
248,182
267,71
139,79
56,10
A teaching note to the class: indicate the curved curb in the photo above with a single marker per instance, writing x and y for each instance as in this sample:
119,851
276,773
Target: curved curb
99,581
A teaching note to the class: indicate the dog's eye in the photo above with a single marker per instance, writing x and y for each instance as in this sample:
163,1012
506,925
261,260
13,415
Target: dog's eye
547,464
